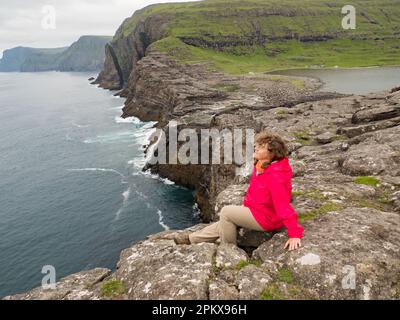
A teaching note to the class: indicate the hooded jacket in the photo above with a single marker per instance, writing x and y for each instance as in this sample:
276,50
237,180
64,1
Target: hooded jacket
269,195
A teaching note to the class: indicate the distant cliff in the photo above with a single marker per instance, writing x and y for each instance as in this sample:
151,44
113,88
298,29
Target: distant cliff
86,54
14,58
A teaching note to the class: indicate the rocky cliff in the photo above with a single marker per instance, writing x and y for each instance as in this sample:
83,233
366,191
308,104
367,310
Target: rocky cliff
345,155
236,36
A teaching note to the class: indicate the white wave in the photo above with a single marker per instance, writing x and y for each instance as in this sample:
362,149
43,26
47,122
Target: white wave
118,119
196,210
160,220
80,125
156,177
117,214
68,138
98,169
117,108
142,195
167,181
125,196
145,133
137,163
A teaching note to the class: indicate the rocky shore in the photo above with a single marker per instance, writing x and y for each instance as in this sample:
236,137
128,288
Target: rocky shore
345,155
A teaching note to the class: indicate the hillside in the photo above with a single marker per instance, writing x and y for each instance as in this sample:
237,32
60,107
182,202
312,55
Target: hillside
254,36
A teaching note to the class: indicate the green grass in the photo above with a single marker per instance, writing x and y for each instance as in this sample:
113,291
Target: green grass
367,203
226,87
272,292
112,288
302,137
285,275
224,33
297,193
360,53
243,263
281,112
314,194
369,181
316,213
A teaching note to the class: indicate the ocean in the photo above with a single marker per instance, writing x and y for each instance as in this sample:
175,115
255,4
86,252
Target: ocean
72,193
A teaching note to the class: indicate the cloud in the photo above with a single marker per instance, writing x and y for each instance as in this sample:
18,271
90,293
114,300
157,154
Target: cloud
21,20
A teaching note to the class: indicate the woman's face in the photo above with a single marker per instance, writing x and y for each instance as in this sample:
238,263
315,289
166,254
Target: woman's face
261,152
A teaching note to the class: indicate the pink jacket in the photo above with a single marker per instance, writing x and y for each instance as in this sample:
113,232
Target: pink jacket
268,198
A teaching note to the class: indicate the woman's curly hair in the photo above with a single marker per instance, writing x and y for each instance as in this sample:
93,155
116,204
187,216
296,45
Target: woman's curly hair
276,145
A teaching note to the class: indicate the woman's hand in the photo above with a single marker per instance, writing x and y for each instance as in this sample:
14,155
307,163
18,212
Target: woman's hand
293,243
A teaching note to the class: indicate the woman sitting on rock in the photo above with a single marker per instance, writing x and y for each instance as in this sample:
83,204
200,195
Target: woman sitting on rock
266,206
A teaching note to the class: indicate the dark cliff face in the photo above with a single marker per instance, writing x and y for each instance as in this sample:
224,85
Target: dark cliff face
126,49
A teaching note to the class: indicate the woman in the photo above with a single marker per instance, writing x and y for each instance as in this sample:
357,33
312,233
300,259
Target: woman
266,206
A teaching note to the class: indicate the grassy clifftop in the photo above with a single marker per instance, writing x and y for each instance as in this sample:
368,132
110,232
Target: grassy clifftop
242,36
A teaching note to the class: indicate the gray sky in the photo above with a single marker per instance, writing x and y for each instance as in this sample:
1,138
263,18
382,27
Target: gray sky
21,20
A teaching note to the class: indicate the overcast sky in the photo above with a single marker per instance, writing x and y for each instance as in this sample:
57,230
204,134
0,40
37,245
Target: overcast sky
21,20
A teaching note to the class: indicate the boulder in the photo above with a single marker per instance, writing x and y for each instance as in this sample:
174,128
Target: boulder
347,254
161,269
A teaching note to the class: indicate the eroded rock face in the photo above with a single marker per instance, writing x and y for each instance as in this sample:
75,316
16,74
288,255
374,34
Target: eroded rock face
347,254
163,270
127,48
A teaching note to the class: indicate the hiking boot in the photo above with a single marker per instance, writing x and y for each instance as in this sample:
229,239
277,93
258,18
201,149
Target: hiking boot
182,238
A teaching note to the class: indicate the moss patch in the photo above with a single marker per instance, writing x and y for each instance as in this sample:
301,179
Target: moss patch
369,181
112,288
243,263
272,292
302,137
316,213
298,84
285,275
226,87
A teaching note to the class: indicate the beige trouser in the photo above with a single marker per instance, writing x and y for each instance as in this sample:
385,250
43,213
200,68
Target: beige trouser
231,217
